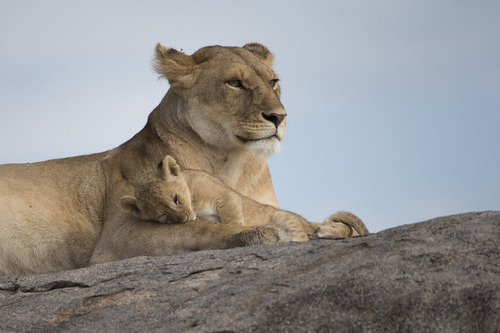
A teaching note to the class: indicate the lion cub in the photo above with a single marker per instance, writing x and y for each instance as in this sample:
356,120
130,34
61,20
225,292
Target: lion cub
173,196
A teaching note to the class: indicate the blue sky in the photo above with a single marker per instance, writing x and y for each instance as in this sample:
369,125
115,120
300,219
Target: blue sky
393,106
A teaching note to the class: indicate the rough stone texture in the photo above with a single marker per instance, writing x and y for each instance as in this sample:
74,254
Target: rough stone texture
442,275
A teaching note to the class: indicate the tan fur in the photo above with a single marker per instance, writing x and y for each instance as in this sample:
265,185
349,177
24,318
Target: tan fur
172,196
182,196
341,224
163,196
222,115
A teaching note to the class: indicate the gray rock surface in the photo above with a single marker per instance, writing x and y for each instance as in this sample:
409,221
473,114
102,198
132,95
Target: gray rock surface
442,275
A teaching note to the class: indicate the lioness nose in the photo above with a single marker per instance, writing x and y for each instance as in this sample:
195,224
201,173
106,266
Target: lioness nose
275,118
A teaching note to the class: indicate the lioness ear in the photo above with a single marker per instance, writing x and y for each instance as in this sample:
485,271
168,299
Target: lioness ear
129,204
261,52
170,169
178,68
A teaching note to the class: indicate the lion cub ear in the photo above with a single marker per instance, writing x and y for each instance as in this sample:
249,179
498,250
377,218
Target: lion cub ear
170,169
129,204
178,68
261,52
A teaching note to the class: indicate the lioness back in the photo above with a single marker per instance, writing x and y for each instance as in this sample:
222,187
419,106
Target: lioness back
44,224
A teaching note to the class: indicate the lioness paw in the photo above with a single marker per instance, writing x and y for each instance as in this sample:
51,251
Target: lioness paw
333,229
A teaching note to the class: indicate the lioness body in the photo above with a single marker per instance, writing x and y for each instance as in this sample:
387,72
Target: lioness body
43,223
222,115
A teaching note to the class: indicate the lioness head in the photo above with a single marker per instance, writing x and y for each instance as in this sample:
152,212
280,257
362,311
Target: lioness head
165,199
232,95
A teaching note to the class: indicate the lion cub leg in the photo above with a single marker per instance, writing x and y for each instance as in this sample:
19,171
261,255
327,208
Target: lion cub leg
297,228
341,224
230,208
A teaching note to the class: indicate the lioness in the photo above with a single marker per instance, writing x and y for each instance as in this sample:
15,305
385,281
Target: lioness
174,196
222,115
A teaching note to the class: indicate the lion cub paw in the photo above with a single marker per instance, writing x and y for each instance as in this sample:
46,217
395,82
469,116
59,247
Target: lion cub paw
341,224
290,227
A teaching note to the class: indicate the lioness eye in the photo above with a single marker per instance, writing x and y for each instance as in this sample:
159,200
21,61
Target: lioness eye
176,199
235,83
273,83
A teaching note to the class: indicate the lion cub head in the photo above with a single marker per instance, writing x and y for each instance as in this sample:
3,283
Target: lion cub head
164,198
230,95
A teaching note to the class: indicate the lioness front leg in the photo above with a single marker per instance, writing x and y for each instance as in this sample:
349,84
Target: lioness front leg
145,238
341,224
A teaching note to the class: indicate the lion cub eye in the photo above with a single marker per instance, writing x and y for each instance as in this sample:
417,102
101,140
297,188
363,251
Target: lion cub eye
274,83
235,84
176,199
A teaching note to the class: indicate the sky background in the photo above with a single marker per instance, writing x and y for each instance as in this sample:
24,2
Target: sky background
393,106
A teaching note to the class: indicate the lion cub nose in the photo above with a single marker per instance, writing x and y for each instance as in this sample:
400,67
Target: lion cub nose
275,118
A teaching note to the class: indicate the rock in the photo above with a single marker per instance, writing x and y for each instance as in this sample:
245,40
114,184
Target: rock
442,275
